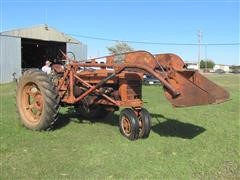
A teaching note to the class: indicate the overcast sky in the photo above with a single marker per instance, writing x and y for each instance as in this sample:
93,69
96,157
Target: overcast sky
152,21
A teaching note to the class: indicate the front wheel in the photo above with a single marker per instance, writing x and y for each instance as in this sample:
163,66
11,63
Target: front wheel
145,123
128,124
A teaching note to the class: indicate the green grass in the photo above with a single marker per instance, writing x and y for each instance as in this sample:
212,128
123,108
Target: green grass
188,143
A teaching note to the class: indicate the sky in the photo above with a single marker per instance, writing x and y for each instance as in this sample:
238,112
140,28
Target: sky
158,21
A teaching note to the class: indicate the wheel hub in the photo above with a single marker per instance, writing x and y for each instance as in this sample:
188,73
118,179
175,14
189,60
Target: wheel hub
32,102
126,125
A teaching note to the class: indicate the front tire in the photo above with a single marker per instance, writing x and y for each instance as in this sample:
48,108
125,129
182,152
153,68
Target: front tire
128,124
145,123
37,100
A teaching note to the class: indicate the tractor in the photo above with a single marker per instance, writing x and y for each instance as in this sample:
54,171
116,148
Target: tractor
96,87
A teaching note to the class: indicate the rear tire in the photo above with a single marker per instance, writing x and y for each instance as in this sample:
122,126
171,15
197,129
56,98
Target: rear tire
145,123
37,100
128,124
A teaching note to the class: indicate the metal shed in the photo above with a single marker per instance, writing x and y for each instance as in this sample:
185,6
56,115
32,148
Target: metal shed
31,47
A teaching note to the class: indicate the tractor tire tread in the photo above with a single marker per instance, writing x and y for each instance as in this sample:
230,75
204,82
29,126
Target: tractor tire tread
50,95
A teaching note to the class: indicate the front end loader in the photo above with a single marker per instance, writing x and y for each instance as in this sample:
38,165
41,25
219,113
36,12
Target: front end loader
96,89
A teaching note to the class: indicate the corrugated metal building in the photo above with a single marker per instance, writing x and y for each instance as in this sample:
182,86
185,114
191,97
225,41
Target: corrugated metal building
31,47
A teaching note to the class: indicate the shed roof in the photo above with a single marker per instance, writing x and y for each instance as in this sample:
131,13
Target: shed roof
40,32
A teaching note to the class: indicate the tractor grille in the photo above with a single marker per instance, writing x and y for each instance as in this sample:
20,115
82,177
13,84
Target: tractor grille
134,89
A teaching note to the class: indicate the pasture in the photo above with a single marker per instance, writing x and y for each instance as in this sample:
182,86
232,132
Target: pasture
199,142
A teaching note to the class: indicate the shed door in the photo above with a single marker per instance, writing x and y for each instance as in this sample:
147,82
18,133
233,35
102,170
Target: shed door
10,58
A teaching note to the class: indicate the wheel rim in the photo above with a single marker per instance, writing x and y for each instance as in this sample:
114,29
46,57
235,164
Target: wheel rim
126,125
32,103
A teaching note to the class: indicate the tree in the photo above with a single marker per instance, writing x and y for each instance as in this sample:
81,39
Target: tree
235,67
206,64
120,47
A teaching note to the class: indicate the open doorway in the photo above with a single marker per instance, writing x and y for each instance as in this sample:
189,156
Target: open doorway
36,52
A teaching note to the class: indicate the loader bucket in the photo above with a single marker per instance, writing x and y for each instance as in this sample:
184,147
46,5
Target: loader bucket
195,89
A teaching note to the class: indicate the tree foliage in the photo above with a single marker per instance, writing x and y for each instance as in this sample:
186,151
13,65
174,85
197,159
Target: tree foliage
235,67
206,64
120,47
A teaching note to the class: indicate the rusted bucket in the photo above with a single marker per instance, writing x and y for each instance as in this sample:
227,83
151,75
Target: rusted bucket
194,88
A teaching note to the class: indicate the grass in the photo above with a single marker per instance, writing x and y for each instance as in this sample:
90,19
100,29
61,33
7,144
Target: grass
188,143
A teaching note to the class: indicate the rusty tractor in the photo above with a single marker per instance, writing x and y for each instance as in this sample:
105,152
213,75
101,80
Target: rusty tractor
95,89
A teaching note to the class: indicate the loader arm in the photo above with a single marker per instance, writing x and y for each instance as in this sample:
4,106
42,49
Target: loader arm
182,87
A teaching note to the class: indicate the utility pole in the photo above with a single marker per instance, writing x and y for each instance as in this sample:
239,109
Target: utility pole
206,68
199,47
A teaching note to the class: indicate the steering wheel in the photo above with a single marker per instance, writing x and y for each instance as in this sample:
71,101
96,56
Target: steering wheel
71,56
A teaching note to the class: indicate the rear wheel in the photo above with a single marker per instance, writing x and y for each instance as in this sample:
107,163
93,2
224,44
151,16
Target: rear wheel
145,123
37,100
128,124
